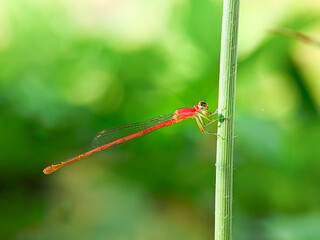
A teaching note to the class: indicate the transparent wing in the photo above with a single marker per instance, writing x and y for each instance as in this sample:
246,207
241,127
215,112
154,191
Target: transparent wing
112,134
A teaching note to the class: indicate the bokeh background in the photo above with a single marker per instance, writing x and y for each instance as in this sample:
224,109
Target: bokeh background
70,69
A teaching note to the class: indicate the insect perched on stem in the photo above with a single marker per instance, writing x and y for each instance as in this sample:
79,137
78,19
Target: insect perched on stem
113,136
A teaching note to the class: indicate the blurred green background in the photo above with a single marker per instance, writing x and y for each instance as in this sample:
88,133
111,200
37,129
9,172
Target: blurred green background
72,68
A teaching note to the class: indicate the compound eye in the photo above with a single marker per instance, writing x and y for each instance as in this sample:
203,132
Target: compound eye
202,104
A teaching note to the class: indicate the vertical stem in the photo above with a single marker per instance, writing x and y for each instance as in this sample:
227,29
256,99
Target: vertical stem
227,86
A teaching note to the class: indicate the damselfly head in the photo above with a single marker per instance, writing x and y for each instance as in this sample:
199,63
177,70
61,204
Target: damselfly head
203,107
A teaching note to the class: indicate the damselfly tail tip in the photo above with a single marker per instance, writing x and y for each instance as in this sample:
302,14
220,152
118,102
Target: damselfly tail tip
50,169
47,170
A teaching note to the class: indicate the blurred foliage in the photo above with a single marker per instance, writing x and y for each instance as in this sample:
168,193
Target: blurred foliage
72,68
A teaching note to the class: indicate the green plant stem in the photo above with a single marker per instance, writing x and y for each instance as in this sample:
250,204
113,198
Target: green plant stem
227,86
